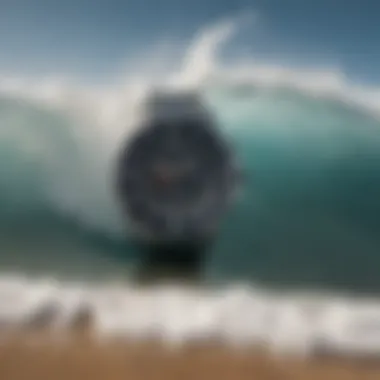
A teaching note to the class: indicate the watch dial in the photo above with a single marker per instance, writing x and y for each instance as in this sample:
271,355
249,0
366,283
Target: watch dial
173,178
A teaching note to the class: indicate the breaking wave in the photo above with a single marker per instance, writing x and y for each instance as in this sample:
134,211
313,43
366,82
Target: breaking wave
308,141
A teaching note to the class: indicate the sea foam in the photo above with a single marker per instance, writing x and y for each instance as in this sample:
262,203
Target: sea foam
238,316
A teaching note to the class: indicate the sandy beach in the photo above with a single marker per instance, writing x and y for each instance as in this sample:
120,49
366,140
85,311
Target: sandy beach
81,358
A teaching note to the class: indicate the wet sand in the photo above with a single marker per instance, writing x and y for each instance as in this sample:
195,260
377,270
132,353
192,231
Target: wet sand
82,358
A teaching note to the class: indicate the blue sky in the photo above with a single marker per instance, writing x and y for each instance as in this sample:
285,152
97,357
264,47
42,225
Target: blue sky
93,37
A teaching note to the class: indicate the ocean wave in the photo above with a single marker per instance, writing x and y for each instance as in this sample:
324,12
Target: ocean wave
308,140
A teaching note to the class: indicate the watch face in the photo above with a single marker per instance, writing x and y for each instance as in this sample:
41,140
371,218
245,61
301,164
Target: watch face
174,178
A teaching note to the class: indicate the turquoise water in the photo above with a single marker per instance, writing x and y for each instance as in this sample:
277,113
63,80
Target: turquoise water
310,212
308,215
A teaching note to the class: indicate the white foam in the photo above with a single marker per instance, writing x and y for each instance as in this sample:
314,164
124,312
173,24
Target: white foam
236,316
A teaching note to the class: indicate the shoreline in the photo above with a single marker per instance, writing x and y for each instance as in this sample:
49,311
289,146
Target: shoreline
69,331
